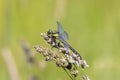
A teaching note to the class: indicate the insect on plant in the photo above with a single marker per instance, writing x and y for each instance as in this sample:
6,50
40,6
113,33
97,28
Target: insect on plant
70,60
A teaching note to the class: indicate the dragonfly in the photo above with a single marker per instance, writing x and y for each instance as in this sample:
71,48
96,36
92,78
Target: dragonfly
64,37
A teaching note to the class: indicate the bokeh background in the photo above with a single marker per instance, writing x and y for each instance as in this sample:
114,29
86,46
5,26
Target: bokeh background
93,27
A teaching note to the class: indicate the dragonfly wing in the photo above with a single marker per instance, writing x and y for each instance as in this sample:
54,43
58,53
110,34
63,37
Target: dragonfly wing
62,34
60,29
65,35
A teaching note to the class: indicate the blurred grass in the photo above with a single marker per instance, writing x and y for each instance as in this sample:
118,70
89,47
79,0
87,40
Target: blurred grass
93,27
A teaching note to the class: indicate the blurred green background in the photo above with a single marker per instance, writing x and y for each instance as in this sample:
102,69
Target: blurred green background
93,27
